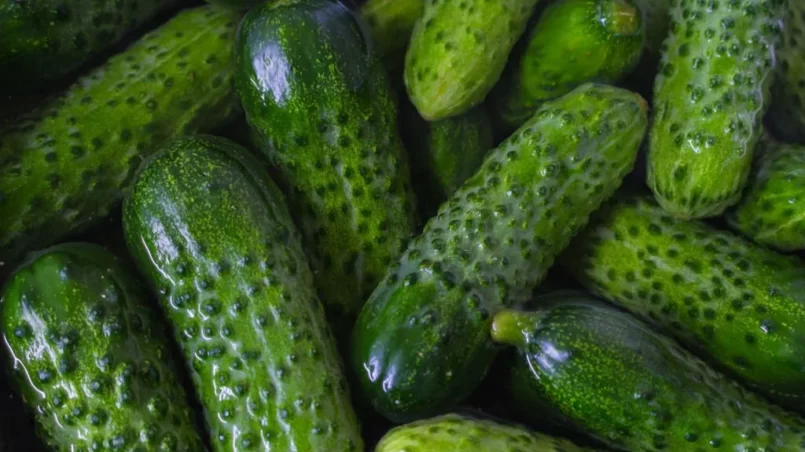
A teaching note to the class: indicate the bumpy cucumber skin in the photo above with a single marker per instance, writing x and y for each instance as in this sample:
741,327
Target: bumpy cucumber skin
710,96
787,111
72,163
771,210
91,357
656,21
458,51
323,103
739,304
635,389
459,433
391,23
574,41
215,239
421,342
47,39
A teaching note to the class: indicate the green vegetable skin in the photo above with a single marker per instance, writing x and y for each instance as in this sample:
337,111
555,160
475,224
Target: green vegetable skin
328,118
91,357
710,96
46,39
215,239
458,433
739,304
391,23
421,343
615,378
73,162
574,41
458,51
788,107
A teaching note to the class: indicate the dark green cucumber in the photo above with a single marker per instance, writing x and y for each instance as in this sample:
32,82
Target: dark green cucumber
91,356
73,162
574,41
771,210
459,433
619,381
458,51
710,96
43,40
391,23
421,343
787,111
324,106
739,304
214,237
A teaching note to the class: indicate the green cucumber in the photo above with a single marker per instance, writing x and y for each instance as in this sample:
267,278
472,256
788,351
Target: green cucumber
710,95
458,51
44,40
616,379
421,343
391,23
574,41
787,110
327,115
91,357
214,237
772,207
739,304
458,433
72,162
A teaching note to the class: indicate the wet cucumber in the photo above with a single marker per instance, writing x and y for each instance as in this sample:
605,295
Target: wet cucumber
214,237
458,433
458,51
91,357
44,40
787,111
710,96
73,161
574,41
616,379
391,23
737,303
328,120
421,343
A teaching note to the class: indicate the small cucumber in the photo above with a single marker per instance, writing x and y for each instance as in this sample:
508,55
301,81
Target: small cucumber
72,162
739,304
458,51
215,240
615,378
391,23
91,357
421,343
574,41
710,95
787,111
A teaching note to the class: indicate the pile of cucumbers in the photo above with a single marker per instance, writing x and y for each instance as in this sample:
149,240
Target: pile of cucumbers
402,225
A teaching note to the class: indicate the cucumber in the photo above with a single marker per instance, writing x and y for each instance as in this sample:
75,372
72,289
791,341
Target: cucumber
458,51
421,343
739,304
623,383
391,23
710,96
44,40
214,238
72,163
770,212
328,121
574,41
91,358
458,433
787,111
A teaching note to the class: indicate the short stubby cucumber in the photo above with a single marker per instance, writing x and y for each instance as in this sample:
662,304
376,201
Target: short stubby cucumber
91,357
459,433
458,51
391,23
616,379
739,304
421,343
214,237
771,210
574,41
710,96
72,162
321,100
43,40
787,111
